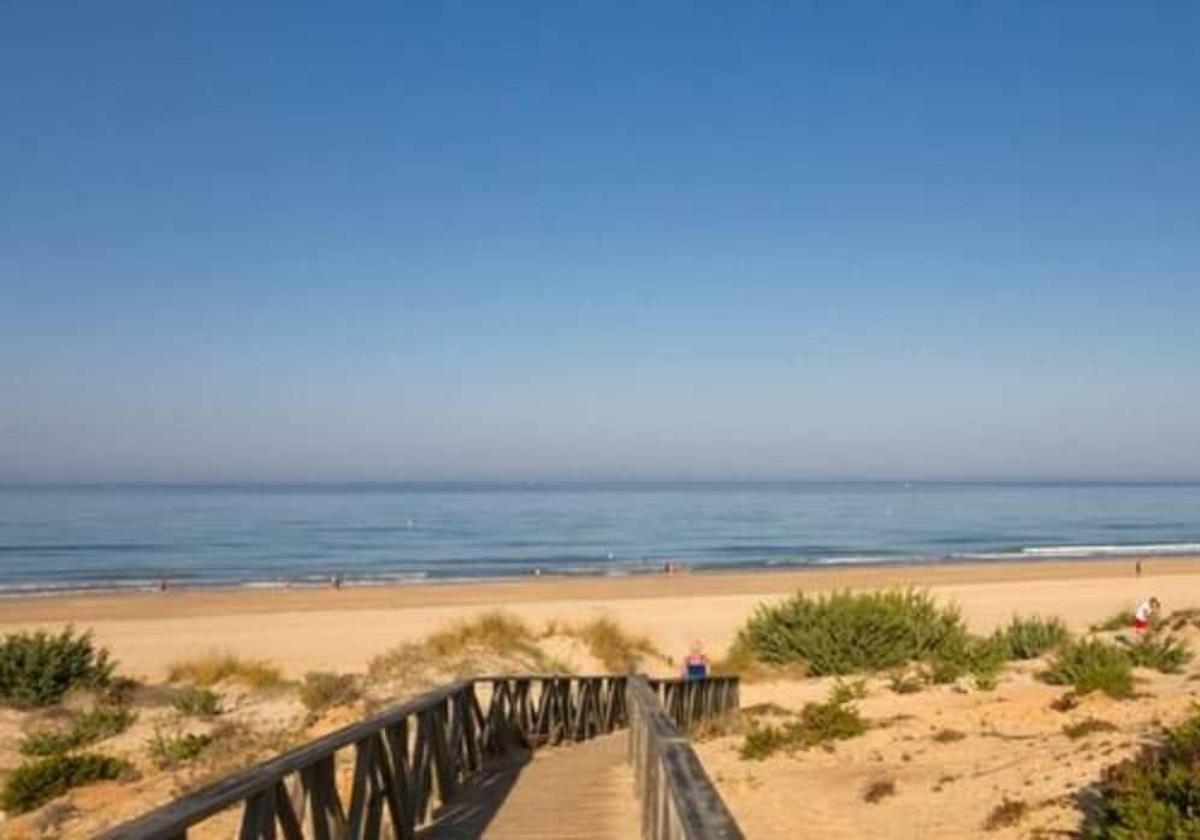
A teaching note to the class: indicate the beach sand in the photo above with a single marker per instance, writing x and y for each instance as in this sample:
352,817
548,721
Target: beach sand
341,630
1008,744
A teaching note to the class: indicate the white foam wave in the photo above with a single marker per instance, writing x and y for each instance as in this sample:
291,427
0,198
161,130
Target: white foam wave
1116,550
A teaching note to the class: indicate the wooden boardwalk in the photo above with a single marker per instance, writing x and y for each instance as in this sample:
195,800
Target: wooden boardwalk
574,792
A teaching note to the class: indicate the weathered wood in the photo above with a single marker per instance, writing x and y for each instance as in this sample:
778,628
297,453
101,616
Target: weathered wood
678,800
420,753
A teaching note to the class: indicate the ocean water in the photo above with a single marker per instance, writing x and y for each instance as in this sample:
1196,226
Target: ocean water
112,537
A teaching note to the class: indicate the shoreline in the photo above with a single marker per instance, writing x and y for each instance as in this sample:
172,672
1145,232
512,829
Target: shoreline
224,600
343,630
1051,554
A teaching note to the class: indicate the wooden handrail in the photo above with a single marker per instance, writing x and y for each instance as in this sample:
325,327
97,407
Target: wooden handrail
678,800
416,755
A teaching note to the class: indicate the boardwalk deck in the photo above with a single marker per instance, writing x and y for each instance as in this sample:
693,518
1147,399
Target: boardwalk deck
579,792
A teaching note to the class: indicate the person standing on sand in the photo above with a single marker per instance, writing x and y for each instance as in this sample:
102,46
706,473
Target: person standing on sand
1137,568
1144,614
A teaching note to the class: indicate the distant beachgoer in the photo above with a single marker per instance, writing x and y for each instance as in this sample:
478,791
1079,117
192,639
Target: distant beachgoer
1137,569
695,664
1144,614
336,581
537,571
162,585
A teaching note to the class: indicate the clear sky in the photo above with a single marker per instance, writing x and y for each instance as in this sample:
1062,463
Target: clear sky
506,240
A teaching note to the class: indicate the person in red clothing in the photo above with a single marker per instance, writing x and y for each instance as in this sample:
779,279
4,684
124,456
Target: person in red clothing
1144,614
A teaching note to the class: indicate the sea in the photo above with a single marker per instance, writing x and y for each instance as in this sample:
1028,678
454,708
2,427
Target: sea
56,539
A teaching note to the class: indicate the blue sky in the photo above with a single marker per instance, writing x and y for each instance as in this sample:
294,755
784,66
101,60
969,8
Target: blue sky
421,241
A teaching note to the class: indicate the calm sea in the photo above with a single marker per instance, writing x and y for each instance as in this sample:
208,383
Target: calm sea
72,538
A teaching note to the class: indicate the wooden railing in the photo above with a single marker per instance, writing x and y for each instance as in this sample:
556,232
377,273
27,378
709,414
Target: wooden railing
418,755
678,800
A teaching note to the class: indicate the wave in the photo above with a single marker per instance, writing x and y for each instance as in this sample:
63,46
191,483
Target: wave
1116,550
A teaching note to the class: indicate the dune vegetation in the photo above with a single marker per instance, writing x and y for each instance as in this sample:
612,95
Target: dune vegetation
216,667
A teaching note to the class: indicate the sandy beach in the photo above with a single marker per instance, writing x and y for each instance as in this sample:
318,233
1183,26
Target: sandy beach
964,750
341,630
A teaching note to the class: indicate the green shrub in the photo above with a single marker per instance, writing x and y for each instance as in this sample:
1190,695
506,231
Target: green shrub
844,692
37,669
168,751
760,742
1162,653
37,782
322,690
1092,665
196,702
1029,638
819,723
847,632
86,729
982,659
1155,794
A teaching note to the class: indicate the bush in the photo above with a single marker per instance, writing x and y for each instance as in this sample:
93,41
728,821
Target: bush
844,692
1029,638
1155,794
847,632
86,729
819,723
983,659
1165,654
1092,665
322,690
196,702
217,667
37,669
170,751
37,782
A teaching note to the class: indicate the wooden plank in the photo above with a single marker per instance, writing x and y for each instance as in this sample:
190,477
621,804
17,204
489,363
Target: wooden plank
287,812
364,767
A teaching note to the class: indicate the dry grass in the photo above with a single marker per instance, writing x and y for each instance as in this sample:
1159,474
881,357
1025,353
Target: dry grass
217,667
1087,727
948,736
499,642
618,650
1005,815
495,632
466,648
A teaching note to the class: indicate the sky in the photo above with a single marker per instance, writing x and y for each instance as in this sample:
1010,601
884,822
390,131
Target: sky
421,241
